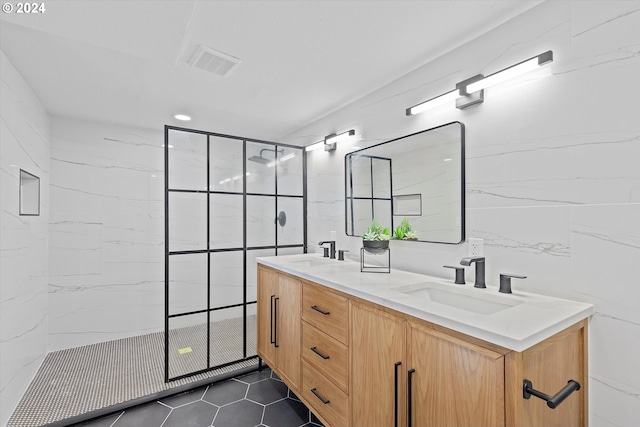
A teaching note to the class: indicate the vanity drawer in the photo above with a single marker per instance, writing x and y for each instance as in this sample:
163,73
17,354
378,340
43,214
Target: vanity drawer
326,310
330,358
328,401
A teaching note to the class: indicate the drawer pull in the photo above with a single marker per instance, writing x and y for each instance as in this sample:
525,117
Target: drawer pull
315,350
322,399
319,310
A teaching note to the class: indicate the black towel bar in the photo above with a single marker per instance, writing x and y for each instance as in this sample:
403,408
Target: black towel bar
552,401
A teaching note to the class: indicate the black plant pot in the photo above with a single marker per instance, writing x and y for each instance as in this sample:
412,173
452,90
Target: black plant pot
375,246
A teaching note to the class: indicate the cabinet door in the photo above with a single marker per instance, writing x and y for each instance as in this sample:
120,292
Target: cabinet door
455,383
377,388
288,328
267,293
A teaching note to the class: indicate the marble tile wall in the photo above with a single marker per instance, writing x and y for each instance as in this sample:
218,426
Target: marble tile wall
24,132
552,175
106,240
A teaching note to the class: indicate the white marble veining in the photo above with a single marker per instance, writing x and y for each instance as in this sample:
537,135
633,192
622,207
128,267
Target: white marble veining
605,242
528,320
24,260
552,176
106,234
107,227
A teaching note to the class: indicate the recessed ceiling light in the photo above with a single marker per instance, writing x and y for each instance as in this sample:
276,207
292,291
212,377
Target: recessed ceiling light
182,117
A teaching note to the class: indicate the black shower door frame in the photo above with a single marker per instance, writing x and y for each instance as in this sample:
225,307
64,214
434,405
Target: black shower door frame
245,248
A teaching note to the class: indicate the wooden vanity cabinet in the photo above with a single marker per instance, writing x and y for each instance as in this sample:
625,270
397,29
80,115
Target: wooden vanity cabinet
385,368
279,329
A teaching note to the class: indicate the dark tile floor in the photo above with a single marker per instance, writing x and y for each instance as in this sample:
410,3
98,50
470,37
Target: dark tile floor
258,399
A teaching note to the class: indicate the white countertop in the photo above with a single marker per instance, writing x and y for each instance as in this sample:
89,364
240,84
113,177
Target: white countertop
516,321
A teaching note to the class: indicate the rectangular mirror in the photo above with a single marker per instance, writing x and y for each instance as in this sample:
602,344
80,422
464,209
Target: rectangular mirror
418,177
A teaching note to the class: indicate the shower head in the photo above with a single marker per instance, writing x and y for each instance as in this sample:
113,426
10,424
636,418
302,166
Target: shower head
262,160
259,159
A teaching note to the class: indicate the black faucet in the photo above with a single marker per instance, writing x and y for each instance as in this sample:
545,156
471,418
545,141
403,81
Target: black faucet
332,249
505,282
479,269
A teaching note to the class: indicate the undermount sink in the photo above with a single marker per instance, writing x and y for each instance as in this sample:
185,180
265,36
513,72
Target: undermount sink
311,262
471,303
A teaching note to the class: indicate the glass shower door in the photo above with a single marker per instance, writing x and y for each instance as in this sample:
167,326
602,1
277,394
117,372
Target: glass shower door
226,199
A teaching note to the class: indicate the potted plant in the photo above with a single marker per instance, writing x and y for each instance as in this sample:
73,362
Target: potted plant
376,238
404,231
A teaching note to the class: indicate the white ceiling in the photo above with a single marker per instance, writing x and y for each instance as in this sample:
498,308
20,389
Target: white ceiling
125,62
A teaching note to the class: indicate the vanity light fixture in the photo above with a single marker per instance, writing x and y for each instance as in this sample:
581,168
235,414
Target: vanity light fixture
471,91
511,72
314,146
182,117
330,141
433,102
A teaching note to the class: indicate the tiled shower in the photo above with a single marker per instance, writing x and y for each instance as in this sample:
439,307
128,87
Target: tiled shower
107,251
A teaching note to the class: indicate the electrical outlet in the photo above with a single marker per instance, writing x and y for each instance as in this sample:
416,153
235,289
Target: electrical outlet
476,247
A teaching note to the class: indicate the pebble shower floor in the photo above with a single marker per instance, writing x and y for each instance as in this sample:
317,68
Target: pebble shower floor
84,379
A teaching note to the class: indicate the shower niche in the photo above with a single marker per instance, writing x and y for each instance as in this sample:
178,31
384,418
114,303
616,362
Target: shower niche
228,200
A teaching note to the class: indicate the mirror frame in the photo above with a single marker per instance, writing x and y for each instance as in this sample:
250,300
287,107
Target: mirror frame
462,184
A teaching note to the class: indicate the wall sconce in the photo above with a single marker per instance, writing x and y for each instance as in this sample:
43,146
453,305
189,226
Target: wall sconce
471,91
511,72
314,146
330,141
433,102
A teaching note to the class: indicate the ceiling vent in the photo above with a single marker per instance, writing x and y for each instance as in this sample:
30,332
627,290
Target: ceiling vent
213,61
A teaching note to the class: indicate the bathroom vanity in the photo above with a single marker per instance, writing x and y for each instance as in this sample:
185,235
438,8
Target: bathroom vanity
404,349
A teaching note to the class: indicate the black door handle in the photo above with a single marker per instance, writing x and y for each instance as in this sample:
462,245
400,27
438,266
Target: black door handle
409,397
395,392
271,339
275,335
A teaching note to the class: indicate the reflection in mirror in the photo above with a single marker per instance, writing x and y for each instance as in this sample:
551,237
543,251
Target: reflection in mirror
418,177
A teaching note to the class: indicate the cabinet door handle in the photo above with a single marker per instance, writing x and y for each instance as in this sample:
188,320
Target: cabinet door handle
395,392
271,339
319,310
409,397
275,335
322,399
315,350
